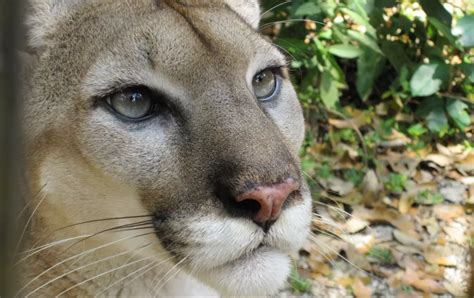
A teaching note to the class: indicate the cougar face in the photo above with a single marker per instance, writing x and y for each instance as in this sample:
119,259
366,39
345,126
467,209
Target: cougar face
168,129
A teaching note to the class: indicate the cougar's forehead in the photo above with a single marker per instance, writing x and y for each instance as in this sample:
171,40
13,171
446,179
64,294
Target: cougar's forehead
133,42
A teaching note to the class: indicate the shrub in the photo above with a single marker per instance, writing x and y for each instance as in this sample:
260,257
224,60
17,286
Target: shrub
407,62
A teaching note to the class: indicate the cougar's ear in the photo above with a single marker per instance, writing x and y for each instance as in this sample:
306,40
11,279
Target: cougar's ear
42,17
249,10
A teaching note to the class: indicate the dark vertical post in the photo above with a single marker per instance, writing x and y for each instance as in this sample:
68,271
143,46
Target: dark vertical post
11,36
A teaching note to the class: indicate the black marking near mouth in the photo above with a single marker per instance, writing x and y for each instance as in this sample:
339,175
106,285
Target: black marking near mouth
163,232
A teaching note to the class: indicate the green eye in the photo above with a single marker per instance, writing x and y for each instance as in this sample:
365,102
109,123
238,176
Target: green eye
264,84
133,103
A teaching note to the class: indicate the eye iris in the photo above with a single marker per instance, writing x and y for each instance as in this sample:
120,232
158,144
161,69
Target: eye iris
264,84
132,104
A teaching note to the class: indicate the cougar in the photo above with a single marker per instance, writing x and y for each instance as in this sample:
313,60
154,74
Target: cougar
161,142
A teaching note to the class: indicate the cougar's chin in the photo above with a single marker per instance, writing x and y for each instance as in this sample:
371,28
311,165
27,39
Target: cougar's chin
262,272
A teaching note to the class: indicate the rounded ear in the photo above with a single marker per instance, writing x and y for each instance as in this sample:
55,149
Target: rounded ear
42,17
249,10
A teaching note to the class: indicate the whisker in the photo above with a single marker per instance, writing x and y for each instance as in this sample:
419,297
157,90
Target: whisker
102,274
20,240
118,228
330,234
75,256
44,247
339,210
89,221
155,290
150,267
23,210
288,21
340,256
326,221
79,268
313,179
274,7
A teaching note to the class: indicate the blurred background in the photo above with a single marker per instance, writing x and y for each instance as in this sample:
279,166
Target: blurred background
388,94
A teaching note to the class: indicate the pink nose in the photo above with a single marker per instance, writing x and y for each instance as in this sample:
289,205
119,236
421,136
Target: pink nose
270,199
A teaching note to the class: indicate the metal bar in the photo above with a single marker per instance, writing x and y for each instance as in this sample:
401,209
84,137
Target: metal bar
11,36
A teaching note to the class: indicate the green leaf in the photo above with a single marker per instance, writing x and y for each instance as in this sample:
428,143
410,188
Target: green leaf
385,3
308,165
328,90
381,255
458,111
465,30
395,183
360,19
417,130
441,27
468,70
345,51
435,9
396,54
297,283
432,110
369,66
307,9
428,79
437,122
427,197
365,40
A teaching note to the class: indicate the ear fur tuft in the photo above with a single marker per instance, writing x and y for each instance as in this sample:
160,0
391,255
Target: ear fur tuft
247,9
42,17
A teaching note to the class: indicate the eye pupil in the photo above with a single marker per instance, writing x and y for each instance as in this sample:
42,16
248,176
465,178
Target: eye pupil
264,84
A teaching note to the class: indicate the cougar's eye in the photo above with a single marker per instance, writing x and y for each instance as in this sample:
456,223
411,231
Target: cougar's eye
264,84
134,103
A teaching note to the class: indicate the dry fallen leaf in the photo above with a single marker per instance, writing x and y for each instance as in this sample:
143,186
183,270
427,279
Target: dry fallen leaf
406,239
362,243
467,164
427,285
357,259
361,290
448,212
337,185
454,289
470,200
440,255
439,159
453,191
354,225
456,232
356,122
379,214
325,246
406,201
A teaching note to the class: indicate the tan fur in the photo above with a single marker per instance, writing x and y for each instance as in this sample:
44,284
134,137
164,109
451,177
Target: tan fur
177,170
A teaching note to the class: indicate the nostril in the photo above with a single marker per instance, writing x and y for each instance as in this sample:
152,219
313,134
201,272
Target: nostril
270,199
262,203
249,206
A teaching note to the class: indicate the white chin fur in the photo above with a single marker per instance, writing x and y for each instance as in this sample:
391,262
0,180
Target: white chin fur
262,273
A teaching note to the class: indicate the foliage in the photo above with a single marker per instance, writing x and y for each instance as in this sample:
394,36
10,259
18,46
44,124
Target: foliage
395,183
383,256
427,197
387,58
384,84
297,283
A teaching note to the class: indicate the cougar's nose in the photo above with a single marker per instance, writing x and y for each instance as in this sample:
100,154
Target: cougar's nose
270,199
